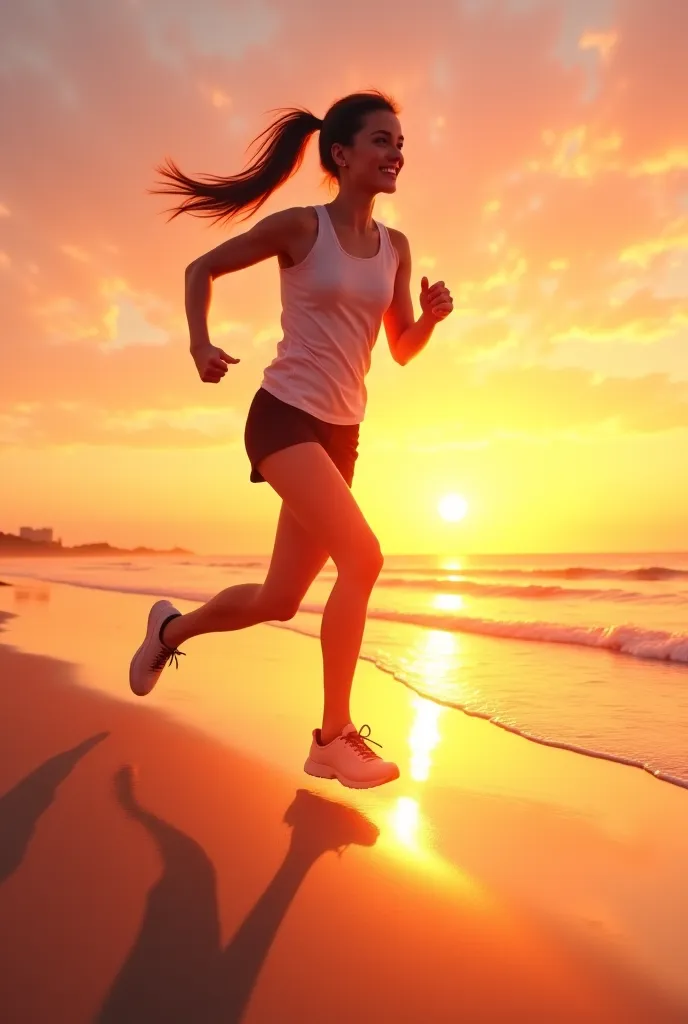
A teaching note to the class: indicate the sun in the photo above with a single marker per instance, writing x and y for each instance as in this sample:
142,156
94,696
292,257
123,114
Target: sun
452,508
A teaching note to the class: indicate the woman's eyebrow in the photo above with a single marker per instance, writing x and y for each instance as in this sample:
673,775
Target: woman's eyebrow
383,131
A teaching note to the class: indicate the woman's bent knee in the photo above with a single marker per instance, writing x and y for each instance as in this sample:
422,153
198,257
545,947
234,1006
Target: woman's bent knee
278,608
364,564
284,612
377,561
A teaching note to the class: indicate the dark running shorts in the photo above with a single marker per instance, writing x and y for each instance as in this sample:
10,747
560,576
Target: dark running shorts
273,425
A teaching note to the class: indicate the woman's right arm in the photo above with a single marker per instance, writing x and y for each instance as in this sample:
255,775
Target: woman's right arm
272,236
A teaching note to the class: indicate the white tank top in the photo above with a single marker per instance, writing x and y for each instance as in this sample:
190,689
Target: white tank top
332,309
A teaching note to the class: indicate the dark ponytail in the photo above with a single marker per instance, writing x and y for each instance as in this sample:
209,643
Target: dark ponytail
278,157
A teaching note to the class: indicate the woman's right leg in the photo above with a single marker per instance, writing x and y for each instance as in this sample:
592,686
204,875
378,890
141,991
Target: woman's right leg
312,487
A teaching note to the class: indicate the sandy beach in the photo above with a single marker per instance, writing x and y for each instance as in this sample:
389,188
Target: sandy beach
167,860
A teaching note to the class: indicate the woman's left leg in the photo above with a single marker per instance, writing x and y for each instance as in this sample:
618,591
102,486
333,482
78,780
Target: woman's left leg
297,558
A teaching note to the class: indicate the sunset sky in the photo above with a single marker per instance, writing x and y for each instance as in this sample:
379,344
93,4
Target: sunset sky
546,182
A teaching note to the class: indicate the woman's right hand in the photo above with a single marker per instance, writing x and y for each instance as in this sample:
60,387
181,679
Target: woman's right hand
211,363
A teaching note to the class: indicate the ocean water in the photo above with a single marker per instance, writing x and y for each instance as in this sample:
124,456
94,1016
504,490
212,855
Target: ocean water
584,652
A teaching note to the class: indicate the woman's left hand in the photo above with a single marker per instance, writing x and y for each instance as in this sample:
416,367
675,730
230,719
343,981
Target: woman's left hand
435,300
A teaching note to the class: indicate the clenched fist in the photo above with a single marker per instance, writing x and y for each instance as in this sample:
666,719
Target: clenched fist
435,300
211,363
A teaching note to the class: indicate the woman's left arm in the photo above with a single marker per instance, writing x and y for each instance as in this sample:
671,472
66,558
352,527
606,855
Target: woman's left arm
406,335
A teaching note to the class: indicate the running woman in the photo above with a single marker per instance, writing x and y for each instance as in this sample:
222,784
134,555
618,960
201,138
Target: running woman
342,275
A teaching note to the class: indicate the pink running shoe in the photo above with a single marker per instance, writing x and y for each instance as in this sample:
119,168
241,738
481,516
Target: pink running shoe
153,654
349,759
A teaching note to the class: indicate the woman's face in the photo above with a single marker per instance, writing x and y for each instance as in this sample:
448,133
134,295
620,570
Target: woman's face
374,160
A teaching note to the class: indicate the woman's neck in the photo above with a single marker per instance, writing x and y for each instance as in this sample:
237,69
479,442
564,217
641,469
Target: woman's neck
353,211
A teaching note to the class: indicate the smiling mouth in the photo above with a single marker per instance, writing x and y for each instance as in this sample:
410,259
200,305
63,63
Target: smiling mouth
391,171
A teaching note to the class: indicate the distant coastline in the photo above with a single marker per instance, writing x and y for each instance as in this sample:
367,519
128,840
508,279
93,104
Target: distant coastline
11,545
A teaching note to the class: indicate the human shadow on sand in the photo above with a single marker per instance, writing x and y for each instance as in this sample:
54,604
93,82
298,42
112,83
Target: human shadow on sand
22,806
177,971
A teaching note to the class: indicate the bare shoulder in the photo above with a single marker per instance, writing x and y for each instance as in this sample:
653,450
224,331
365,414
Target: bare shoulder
303,221
288,234
294,218
300,229
400,243
285,223
305,215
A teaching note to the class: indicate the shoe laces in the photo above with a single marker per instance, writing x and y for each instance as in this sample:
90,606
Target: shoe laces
358,741
166,656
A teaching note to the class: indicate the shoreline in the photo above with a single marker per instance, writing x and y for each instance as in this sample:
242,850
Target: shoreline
581,751
96,552
571,748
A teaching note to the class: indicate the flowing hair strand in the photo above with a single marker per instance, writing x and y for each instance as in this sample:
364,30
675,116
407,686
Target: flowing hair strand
280,153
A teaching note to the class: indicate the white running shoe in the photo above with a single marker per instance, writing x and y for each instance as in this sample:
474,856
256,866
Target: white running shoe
153,654
349,759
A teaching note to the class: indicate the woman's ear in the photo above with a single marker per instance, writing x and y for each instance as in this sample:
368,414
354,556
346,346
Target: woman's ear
338,155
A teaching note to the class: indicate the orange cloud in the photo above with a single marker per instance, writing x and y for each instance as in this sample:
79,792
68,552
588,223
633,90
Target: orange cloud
602,42
66,423
75,253
547,404
675,239
208,422
578,153
116,317
642,331
675,159
14,423
215,95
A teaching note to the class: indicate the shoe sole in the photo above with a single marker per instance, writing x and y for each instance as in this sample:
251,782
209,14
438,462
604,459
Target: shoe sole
323,771
153,612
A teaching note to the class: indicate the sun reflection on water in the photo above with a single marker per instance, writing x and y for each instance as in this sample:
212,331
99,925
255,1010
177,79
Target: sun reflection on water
411,835
451,565
424,737
405,820
433,662
448,602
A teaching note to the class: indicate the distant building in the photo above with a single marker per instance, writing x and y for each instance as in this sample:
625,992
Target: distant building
42,536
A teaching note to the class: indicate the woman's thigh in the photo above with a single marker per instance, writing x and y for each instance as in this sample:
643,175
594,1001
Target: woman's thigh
297,558
314,491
